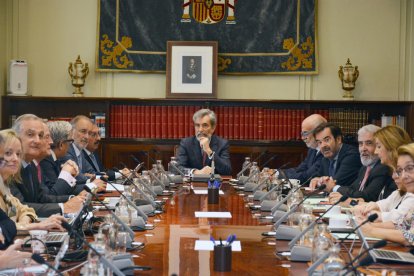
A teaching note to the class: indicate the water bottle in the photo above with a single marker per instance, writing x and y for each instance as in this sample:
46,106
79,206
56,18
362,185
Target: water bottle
246,164
162,173
171,165
322,241
334,264
95,267
254,171
122,211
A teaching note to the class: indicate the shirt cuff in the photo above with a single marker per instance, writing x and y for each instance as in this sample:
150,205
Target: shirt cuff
118,175
68,178
335,188
62,208
91,186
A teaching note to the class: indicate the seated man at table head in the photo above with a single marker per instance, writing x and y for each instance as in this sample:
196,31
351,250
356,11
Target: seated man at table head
198,152
373,176
312,162
340,163
30,129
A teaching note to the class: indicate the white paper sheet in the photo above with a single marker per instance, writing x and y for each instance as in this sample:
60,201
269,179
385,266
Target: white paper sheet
208,245
204,192
352,236
315,201
109,187
212,214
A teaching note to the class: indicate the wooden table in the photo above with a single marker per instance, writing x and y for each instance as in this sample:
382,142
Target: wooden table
170,246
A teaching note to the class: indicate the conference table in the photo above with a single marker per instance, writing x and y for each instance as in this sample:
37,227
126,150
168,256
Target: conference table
170,246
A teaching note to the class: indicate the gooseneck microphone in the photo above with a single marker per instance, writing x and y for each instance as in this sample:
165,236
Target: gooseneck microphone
128,180
39,259
140,212
147,198
126,227
149,171
312,268
282,219
264,182
251,163
310,226
104,260
277,206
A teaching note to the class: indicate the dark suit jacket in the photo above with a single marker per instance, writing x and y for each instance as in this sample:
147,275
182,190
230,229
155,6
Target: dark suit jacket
50,181
308,168
8,227
347,166
86,167
190,156
43,203
378,178
100,168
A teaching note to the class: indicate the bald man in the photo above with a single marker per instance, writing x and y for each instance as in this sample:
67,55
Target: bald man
310,166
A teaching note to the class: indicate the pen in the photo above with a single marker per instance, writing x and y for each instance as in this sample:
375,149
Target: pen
233,238
213,240
221,242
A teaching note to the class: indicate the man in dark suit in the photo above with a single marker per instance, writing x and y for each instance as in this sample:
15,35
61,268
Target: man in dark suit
340,163
59,179
373,178
198,152
30,130
312,162
8,230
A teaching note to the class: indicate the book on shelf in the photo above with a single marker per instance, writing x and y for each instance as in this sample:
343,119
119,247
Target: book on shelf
99,118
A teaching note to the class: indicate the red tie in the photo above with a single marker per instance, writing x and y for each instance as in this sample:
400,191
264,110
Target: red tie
204,158
39,173
362,186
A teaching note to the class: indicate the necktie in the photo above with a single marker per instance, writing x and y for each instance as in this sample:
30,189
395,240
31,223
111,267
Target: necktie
204,158
95,163
80,162
362,186
29,172
331,167
39,173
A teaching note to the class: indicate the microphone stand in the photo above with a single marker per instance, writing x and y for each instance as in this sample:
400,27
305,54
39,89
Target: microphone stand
39,259
251,163
140,212
126,227
104,260
127,179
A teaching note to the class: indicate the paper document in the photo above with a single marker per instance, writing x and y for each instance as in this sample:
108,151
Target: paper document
109,187
341,236
204,192
212,214
208,245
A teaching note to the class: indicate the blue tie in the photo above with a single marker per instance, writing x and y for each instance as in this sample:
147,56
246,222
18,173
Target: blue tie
331,167
80,162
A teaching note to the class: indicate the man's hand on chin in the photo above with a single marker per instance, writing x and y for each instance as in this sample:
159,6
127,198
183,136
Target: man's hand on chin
205,170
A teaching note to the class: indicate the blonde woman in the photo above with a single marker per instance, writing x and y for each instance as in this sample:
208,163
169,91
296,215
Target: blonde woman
21,214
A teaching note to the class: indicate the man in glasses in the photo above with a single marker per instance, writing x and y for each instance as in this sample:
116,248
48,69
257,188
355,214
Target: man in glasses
198,152
340,163
312,162
59,179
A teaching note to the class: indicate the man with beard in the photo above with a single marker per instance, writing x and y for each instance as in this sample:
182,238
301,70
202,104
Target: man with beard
340,163
198,152
312,162
373,176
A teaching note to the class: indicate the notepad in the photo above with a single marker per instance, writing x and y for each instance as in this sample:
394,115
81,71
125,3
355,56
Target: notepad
204,192
208,245
212,214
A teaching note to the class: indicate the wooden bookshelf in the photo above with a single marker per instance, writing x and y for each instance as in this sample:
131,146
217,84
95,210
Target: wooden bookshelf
118,149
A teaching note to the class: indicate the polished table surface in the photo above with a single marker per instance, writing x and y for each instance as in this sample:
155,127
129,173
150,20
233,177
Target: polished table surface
170,246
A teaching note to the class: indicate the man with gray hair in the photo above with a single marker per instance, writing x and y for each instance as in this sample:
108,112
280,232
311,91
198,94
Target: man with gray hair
310,166
59,178
198,152
373,177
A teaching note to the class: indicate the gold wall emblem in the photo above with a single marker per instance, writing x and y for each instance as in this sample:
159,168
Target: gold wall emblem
299,56
114,54
222,63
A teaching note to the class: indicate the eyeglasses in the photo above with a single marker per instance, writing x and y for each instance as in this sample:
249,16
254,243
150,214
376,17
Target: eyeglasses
409,169
2,162
306,133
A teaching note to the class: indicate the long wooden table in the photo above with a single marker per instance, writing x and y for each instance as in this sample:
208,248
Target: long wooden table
170,246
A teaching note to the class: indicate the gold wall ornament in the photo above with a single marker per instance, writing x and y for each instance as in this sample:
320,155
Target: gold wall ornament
78,73
113,55
222,63
348,75
300,55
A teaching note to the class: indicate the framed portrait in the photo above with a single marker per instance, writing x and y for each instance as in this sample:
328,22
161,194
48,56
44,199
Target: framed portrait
192,69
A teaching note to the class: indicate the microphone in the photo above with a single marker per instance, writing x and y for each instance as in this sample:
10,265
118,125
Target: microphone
312,268
115,270
368,260
376,245
274,188
39,259
277,206
294,240
127,179
149,171
126,227
177,169
263,181
147,198
249,188
140,212
282,219
255,160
